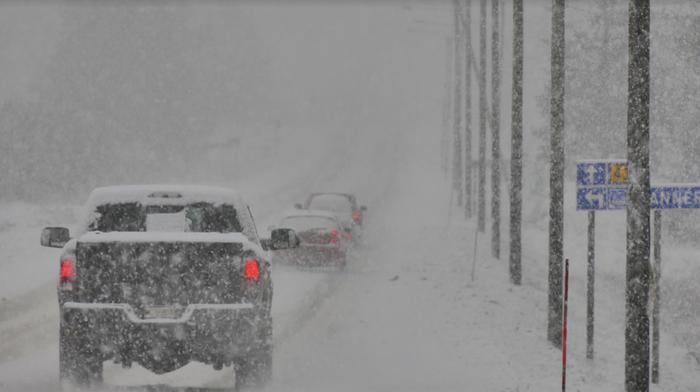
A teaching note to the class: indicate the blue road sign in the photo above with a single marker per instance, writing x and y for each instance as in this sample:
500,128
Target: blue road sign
592,198
602,185
663,197
675,197
617,198
591,173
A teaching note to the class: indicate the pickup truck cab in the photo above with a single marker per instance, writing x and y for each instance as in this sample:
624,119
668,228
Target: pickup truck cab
162,275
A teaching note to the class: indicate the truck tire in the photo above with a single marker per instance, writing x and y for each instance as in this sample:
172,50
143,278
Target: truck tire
255,370
343,261
80,362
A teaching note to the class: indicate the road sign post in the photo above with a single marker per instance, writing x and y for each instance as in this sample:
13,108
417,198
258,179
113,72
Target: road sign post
602,185
564,333
656,297
590,285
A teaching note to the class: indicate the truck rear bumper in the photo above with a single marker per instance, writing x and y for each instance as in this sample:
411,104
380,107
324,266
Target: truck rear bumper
186,316
208,333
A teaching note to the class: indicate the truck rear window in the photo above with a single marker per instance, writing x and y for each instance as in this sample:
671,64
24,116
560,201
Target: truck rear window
196,217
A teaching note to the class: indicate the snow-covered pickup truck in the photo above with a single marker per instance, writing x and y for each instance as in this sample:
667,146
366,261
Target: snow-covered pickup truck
165,275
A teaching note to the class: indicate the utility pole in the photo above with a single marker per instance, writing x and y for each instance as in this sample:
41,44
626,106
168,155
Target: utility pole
495,132
483,113
638,222
468,201
457,159
556,179
447,108
516,151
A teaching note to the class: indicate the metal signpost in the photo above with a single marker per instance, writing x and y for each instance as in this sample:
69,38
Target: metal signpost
663,197
655,298
602,186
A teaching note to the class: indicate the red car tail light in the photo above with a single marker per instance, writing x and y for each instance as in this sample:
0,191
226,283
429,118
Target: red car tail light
357,216
251,270
334,236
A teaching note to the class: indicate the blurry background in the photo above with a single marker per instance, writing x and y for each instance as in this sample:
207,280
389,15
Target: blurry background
103,93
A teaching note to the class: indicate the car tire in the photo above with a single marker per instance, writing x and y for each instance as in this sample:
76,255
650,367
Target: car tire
80,361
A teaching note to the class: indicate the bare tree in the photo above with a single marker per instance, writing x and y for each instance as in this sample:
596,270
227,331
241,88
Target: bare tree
495,131
459,69
516,160
468,202
638,230
483,114
556,180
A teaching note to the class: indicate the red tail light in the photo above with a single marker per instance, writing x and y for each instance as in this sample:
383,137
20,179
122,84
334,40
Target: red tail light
67,274
334,236
357,216
252,270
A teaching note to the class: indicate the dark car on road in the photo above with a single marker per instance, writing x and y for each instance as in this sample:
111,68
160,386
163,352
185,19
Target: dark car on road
323,240
342,205
161,275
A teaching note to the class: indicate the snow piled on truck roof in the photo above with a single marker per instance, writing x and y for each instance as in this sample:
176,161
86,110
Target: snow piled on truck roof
164,194
149,237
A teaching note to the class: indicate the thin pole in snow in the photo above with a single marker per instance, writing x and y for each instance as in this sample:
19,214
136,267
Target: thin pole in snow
476,244
656,305
590,319
449,208
564,331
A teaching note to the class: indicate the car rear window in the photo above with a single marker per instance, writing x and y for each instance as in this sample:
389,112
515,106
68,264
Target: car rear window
305,223
336,203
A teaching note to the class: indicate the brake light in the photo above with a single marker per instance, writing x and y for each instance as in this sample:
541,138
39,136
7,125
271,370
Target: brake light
334,236
252,270
357,216
67,274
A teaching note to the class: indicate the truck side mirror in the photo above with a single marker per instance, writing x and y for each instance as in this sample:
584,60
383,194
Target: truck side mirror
54,237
